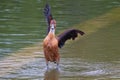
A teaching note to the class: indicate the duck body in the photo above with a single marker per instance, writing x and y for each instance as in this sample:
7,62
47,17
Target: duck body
50,47
52,43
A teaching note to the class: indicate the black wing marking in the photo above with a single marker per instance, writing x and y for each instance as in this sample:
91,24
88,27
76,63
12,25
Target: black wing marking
68,34
48,15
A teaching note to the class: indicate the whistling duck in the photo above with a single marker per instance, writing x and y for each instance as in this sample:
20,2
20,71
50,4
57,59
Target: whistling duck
52,43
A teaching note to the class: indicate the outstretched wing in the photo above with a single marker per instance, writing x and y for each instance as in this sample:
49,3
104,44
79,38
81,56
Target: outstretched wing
68,34
48,15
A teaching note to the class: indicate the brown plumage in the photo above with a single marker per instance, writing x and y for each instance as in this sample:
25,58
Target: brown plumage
52,43
68,34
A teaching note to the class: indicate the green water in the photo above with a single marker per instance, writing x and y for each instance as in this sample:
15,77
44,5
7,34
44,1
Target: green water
94,56
22,22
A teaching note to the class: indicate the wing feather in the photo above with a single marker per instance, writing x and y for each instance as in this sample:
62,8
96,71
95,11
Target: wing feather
68,34
48,15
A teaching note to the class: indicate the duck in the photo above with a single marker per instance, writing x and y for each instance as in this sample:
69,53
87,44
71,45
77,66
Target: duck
52,42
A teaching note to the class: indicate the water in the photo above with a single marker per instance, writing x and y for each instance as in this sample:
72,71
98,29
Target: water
91,57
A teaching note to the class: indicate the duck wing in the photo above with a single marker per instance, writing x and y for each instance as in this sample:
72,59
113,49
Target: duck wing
68,34
48,15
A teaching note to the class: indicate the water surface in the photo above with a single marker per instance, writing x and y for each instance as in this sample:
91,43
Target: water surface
91,57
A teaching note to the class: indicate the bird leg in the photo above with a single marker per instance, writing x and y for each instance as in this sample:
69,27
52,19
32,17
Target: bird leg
57,62
57,65
47,64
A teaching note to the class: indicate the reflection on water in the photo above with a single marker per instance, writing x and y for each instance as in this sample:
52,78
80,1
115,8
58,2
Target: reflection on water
70,69
52,74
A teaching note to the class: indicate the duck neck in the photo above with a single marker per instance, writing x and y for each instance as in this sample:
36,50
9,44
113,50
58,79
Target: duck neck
52,31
